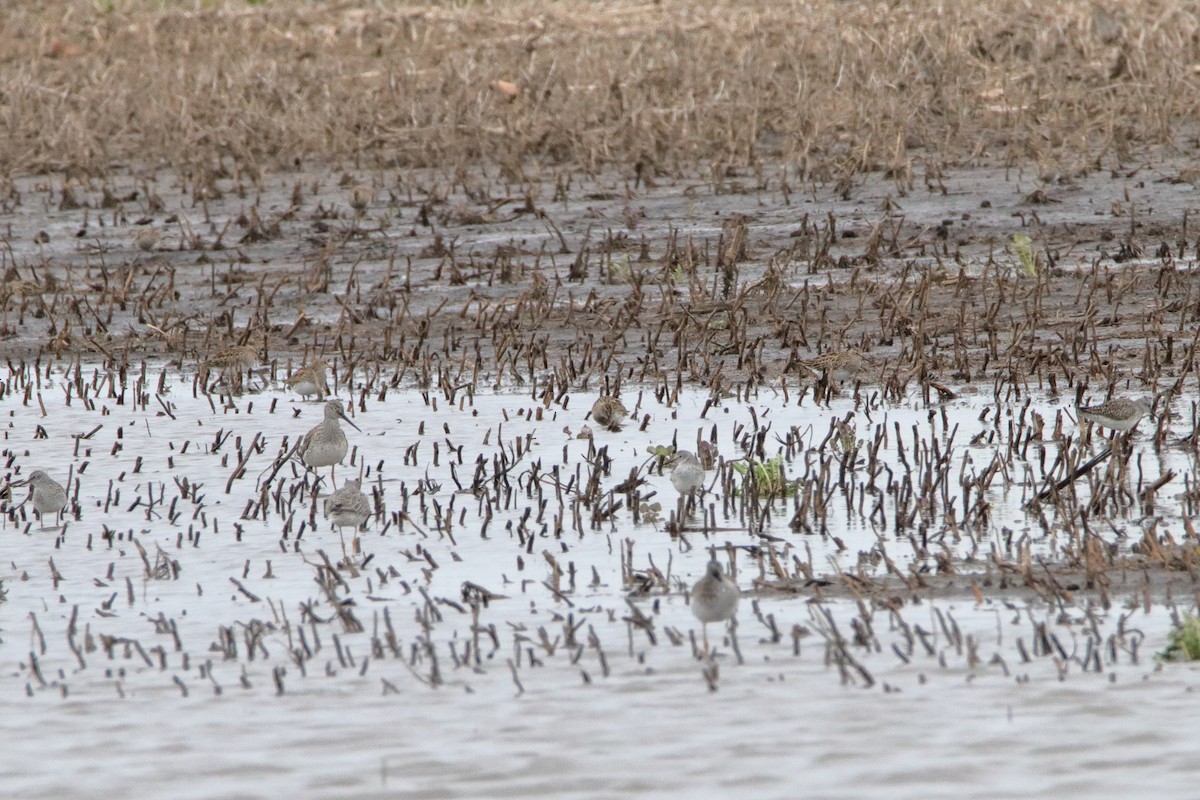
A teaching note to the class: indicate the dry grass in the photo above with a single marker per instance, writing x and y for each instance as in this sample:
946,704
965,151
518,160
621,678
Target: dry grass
840,87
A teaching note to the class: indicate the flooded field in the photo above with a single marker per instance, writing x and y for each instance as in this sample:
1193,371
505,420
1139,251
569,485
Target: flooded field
511,627
917,285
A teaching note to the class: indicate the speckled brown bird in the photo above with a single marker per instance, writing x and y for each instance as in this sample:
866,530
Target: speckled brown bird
348,507
233,362
146,239
609,412
839,365
325,445
1118,414
240,356
310,380
360,198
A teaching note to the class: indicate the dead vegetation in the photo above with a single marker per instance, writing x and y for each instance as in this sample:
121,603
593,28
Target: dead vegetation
840,89
634,200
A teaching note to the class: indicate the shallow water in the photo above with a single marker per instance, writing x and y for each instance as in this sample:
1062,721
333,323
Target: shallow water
621,711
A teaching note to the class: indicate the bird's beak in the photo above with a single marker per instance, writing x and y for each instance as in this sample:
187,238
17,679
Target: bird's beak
350,422
20,483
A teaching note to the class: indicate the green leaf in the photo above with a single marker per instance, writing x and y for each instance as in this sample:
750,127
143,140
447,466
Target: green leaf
1023,246
1183,642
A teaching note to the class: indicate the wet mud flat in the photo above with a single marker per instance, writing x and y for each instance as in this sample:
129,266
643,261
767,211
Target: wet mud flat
709,280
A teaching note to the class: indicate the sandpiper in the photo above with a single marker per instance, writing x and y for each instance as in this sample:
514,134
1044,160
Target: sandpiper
771,369
714,597
348,507
687,474
146,239
1118,414
360,198
49,497
19,287
840,365
310,380
609,412
325,445
233,360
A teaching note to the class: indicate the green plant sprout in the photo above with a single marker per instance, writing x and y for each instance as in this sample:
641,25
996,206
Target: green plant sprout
619,269
1023,246
769,475
1183,642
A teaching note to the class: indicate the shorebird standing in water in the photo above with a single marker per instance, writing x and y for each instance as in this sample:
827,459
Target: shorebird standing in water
49,497
687,474
146,239
360,199
232,362
325,445
1118,414
609,412
840,365
714,597
348,507
310,380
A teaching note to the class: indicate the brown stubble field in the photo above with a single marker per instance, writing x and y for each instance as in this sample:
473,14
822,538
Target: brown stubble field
836,89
